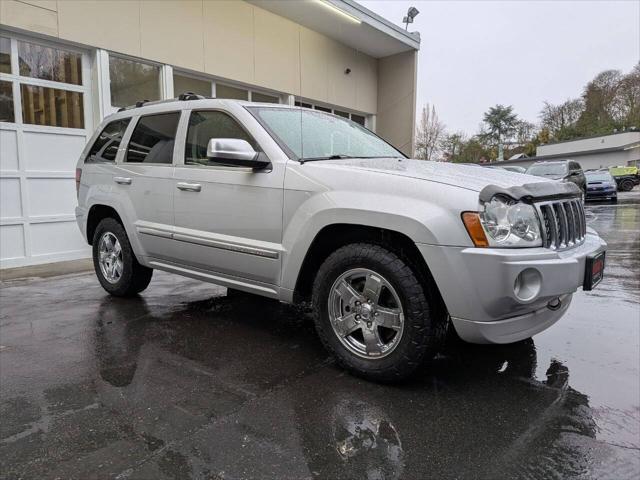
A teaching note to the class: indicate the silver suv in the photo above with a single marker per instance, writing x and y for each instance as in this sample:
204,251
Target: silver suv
296,204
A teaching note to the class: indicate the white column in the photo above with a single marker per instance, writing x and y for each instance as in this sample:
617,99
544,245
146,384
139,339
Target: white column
166,74
101,85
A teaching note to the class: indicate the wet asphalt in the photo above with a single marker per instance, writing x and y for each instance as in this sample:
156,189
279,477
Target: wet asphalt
188,382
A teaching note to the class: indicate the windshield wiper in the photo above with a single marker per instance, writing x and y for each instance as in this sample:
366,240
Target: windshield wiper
330,157
342,157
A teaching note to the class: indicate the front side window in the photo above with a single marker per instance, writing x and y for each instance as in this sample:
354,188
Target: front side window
105,148
205,125
132,81
313,135
153,139
46,63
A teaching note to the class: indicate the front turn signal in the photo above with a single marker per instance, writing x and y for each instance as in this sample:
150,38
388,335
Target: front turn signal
474,228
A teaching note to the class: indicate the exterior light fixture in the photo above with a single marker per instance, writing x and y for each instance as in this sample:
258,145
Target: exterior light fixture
330,6
411,14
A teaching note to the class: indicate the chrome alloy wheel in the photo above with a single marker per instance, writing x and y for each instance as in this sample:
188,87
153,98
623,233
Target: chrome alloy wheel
366,313
110,257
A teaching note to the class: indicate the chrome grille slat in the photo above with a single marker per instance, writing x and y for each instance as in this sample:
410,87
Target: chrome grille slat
563,223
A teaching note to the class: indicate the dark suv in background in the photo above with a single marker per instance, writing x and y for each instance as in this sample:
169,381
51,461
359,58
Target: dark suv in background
561,170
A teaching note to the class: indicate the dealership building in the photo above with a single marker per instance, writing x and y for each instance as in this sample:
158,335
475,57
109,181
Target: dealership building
65,65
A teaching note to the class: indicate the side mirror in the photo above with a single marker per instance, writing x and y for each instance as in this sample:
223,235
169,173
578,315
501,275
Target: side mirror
234,151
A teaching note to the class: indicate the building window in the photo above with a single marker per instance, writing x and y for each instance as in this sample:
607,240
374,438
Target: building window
183,84
6,102
264,98
51,107
132,81
5,55
46,63
153,139
106,145
358,119
227,91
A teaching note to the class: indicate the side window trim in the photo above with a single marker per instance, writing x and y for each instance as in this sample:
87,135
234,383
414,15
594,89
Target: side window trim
184,123
132,126
124,146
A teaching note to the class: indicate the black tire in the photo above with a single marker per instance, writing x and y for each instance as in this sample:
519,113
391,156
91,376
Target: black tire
626,185
424,332
135,277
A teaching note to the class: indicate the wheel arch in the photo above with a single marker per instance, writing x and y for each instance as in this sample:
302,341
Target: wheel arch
333,236
96,214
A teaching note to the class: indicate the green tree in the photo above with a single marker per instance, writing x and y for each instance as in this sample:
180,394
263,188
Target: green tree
452,145
500,124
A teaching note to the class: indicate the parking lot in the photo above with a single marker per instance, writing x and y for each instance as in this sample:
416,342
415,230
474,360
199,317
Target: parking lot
187,382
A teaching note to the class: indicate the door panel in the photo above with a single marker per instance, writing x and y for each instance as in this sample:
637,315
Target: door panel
145,180
233,224
227,219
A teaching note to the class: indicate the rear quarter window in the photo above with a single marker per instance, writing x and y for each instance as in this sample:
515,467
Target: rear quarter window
105,147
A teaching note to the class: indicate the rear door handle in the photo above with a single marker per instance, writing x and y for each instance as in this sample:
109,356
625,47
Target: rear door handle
122,180
189,187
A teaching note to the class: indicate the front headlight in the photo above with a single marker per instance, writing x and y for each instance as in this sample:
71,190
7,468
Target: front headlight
510,224
505,223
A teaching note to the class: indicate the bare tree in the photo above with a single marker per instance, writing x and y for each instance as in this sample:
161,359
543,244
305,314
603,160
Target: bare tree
429,134
558,119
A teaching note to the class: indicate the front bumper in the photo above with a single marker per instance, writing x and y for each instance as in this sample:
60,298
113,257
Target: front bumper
601,193
477,286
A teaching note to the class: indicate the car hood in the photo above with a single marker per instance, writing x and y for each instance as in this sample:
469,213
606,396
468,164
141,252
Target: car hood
471,177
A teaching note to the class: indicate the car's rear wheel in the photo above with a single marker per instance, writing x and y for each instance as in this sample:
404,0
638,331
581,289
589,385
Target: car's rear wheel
115,264
372,313
626,185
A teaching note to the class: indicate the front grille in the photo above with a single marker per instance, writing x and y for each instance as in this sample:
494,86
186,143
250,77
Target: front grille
563,223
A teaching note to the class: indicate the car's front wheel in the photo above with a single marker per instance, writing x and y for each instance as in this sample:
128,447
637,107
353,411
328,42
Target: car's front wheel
372,313
115,264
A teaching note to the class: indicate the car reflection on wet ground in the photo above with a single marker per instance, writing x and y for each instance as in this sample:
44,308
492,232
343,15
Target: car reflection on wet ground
187,382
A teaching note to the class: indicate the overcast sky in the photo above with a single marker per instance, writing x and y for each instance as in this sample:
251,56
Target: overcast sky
475,54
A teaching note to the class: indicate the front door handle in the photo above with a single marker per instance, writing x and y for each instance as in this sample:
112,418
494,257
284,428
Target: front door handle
189,187
122,180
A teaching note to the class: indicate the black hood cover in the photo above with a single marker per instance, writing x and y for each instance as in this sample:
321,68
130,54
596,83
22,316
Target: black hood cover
532,192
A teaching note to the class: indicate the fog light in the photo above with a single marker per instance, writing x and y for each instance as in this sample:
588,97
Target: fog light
527,284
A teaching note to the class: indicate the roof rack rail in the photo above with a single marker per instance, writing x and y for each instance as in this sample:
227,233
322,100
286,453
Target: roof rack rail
182,97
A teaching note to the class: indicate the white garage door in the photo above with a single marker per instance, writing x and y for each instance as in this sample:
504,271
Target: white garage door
45,120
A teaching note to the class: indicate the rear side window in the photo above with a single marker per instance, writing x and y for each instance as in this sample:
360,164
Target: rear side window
205,125
105,148
153,138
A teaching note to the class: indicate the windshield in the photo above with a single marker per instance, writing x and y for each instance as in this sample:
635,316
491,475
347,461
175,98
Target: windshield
547,169
598,177
313,135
